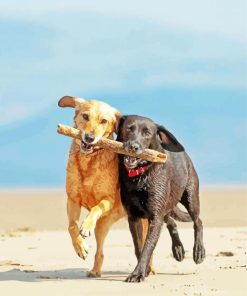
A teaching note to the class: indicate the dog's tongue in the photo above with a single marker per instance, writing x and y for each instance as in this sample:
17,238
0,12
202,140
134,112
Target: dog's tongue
86,146
130,161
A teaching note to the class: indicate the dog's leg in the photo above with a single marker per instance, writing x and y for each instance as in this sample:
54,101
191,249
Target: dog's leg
140,271
198,250
150,269
74,211
102,227
177,246
139,229
190,200
95,213
136,229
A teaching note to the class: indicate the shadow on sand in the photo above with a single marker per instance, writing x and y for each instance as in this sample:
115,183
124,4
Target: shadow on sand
66,274
61,274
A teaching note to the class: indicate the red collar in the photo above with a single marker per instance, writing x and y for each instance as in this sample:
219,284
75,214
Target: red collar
133,173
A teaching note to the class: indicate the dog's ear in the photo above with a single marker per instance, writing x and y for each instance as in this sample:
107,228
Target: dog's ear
119,127
117,121
68,101
168,141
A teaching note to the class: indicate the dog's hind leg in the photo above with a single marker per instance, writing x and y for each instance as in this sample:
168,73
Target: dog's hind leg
136,229
190,200
102,228
143,236
177,246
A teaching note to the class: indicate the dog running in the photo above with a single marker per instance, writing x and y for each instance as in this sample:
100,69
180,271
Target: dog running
152,190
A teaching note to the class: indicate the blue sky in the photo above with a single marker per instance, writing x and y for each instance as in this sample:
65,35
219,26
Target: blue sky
181,63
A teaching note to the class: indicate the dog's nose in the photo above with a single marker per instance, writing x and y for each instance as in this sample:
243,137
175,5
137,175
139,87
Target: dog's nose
134,147
89,138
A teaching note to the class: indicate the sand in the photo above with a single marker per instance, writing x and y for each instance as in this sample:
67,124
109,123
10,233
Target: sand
36,256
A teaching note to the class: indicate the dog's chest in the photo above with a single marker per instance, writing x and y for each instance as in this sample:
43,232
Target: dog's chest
138,204
92,178
139,183
138,197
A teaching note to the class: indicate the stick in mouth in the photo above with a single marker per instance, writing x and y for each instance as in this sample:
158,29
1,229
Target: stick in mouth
115,146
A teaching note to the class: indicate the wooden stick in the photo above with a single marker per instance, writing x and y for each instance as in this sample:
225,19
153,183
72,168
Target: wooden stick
115,146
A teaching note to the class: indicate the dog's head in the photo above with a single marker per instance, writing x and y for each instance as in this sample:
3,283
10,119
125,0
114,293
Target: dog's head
138,133
95,119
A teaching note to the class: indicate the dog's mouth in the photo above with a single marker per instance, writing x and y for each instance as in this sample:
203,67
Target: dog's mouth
131,162
86,148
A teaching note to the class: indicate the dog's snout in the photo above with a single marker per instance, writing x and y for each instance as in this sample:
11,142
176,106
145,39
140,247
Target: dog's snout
132,147
89,138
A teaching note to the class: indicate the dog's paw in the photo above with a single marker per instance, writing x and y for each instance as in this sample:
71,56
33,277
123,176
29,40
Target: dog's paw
135,277
87,228
93,274
199,253
150,270
178,252
81,247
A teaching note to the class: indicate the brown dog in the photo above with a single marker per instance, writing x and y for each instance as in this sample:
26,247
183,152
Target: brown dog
92,178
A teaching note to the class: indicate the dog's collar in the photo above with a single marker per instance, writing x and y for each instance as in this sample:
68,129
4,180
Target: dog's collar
136,172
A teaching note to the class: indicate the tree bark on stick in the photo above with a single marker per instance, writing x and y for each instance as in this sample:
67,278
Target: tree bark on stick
115,146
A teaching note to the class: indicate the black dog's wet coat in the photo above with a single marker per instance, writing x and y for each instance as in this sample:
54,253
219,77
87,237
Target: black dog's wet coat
138,189
155,193
136,192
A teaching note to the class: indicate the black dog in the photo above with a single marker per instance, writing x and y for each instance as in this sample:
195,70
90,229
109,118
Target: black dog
152,190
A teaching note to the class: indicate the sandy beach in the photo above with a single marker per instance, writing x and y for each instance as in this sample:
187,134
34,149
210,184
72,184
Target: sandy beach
36,255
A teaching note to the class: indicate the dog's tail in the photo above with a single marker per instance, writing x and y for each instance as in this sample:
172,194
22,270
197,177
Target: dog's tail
180,215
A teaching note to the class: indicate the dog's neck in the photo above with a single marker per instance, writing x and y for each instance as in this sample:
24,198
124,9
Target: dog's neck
84,162
132,173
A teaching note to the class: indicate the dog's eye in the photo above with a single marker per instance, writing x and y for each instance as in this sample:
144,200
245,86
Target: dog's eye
146,132
131,128
103,121
85,116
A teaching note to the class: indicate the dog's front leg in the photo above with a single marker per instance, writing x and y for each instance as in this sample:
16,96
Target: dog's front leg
138,229
74,211
140,271
95,213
